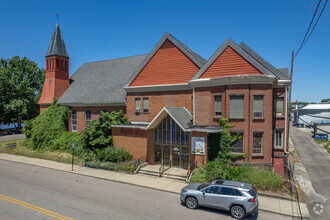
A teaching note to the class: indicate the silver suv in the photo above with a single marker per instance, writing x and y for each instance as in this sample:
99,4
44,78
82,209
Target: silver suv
239,198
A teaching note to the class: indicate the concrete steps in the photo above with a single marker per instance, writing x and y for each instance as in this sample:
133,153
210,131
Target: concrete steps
172,173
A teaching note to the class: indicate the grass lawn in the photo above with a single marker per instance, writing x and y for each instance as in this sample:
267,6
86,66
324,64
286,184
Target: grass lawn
325,144
22,150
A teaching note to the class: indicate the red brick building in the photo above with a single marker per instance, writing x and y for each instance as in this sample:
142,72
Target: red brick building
173,98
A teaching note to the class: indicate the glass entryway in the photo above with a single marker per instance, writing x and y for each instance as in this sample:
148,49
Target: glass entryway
171,144
176,156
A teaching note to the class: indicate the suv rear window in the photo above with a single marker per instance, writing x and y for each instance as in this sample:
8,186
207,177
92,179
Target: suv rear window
253,192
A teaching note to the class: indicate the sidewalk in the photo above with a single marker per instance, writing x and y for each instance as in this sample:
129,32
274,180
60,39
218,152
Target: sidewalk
266,203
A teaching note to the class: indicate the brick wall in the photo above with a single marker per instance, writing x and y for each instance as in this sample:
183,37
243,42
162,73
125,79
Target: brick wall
136,141
205,115
95,110
157,101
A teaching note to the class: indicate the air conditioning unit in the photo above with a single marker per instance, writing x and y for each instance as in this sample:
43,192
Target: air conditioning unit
137,111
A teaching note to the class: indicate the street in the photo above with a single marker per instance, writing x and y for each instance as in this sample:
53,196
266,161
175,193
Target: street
317,166
31,192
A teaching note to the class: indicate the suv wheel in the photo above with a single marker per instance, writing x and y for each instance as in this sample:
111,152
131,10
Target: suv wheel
237,212
191,203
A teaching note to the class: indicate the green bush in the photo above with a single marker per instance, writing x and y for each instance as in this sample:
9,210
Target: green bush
112,154
47,127
126,166
258,177
99,135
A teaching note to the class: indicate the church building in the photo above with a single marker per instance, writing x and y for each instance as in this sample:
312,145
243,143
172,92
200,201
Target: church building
173,98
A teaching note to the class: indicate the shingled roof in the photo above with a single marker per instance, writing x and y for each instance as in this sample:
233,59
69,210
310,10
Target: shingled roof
57,45
101,82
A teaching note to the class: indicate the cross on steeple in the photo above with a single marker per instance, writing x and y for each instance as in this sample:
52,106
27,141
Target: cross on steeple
57,17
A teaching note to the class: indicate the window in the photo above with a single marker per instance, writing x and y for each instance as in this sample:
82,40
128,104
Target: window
236,107
169,132
217,105
213,190
278,139
88,117
237,146
226,191
279,107
137,105
258,103
74,120
257,143
145,105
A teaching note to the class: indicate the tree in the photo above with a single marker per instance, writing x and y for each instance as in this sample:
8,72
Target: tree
98,135
21,83
325,100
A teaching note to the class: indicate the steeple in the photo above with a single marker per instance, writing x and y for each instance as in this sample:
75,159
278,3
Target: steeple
57,70
57,45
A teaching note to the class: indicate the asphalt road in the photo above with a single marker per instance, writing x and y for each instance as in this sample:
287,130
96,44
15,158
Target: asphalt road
30,192
317,166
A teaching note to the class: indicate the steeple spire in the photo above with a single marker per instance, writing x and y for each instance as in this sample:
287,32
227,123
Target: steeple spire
57,45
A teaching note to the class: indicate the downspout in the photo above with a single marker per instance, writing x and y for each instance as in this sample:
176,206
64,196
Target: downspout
194,110
286,121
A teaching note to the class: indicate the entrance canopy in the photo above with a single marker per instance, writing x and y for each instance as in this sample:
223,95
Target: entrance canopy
183,119
180,115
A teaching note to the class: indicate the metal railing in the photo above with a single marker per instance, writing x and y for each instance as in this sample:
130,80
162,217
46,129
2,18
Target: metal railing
191,168
162,169
138,162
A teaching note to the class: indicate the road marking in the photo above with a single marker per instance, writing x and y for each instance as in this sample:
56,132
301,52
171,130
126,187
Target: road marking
35,208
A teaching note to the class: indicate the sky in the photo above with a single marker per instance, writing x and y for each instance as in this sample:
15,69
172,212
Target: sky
101,30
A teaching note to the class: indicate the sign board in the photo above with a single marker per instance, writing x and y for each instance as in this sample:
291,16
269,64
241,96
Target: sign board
73,146
198,145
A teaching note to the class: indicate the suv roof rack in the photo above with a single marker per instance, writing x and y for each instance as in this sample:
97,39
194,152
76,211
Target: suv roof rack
233,183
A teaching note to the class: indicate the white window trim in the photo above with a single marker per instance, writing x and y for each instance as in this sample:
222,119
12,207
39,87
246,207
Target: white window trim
74,130
276,146
262,143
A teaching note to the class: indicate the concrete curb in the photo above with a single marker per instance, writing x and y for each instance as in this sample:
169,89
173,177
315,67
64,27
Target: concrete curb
268,199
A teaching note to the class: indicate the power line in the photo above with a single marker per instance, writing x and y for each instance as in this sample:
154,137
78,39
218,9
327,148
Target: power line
308,34
316,22
310,25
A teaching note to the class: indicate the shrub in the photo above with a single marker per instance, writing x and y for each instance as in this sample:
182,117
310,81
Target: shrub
65,141
258,177
112,154
98,135
47,127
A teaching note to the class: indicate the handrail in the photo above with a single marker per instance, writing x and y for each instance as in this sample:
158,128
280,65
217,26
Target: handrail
162,169
191,168
138,162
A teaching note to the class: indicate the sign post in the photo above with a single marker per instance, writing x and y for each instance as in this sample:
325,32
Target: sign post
73,146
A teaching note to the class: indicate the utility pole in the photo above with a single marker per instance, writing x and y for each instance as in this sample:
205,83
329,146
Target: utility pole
289,104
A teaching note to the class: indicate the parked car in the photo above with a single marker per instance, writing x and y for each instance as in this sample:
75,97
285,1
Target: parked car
240,199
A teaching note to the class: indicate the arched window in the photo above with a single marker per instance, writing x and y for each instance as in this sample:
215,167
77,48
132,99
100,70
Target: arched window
88,118
74,120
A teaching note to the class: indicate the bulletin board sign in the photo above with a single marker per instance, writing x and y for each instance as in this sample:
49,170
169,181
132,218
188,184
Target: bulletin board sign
198,145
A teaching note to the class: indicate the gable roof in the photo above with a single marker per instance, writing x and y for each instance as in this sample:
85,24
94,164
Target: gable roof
57,45
101,82
195,58
277,72
179,114
229,43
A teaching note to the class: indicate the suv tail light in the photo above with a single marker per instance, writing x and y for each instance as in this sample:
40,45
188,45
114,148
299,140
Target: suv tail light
252,200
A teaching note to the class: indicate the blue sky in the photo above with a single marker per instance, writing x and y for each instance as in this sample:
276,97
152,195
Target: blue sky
101,30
